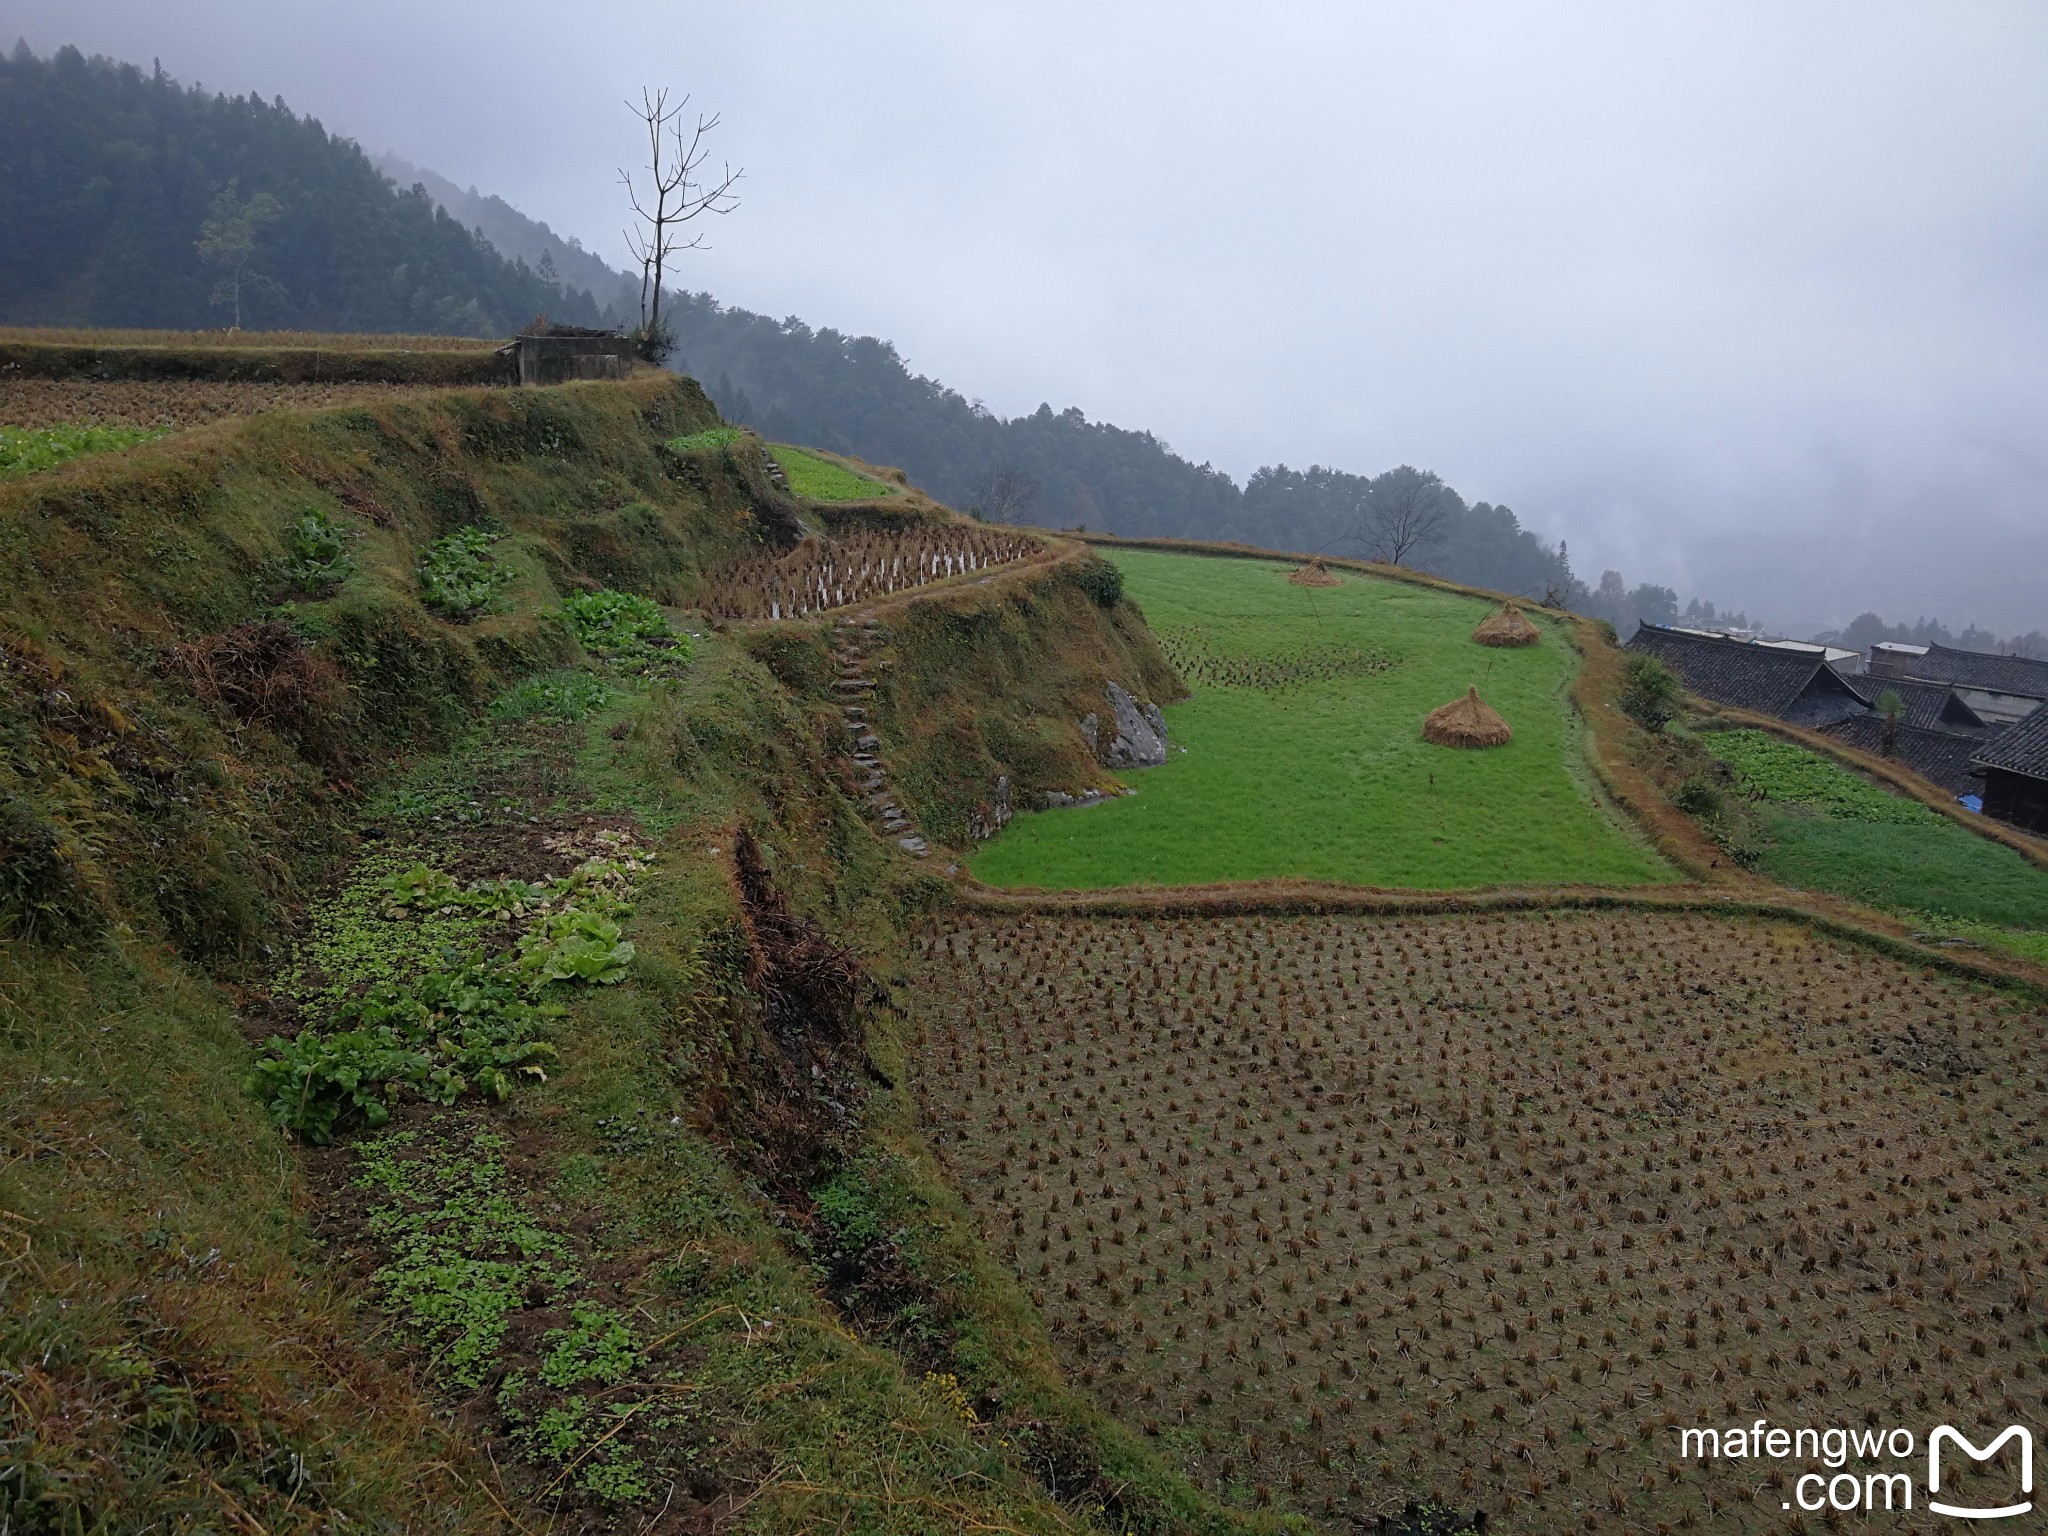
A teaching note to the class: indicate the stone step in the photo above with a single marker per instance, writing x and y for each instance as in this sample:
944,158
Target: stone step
853,684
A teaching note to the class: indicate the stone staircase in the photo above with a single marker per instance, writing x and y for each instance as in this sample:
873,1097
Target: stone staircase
850,642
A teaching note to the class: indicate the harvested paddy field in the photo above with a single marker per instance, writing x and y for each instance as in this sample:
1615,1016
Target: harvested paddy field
1299,753
174,403
1351,1211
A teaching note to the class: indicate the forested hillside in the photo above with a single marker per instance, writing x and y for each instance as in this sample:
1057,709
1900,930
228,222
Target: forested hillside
129,199
855,394
133,200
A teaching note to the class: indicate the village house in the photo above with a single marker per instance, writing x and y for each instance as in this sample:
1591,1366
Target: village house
2015,768
2001,689
1793,683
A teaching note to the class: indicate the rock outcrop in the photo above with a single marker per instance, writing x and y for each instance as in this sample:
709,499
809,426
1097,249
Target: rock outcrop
1139,739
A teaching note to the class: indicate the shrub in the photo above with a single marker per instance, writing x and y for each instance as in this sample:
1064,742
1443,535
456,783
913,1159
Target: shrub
319,560
457,576
1697,797
1102,580
1649,693
623,628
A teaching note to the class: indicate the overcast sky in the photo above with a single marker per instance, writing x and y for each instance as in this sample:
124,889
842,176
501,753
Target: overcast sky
1750,299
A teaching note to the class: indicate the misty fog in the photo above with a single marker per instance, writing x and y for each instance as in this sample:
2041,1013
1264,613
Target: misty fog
1745,299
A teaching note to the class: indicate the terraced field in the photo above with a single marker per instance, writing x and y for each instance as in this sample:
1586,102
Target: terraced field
1299,753
1347,1211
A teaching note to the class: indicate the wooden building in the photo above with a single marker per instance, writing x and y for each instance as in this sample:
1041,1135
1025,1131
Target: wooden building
2015,769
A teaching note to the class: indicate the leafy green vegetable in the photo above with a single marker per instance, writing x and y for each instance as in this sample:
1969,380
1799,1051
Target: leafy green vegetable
450,1032
574,946
817,479
624,629
565,696
464,1023
1781,771
464,1255
319,558
457,576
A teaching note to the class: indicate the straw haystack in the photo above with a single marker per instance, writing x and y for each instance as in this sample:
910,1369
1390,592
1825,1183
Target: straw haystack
1466,722
1508,627
1314,574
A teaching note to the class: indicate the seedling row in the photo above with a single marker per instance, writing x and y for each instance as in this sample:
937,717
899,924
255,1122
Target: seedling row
1350,1211
821,574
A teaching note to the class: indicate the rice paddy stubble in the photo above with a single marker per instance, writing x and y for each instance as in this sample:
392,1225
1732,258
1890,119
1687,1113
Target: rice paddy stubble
1359,1210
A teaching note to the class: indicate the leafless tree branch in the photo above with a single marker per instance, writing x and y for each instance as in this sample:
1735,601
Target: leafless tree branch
675,193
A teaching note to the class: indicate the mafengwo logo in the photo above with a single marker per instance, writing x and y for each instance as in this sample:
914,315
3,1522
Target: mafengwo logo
1945,1435
1845,1489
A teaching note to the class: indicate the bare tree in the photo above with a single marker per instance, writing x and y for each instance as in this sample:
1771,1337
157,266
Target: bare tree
674,196
1006,494
1404,515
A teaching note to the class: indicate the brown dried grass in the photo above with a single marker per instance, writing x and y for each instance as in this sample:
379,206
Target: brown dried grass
264,675
1507,628
1314,574
1466,722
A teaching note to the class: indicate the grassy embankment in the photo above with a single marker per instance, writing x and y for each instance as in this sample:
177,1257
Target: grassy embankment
26,450
817,478
1299,754
1821,827
681,1274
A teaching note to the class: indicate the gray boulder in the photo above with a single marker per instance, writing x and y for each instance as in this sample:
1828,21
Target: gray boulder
1140,733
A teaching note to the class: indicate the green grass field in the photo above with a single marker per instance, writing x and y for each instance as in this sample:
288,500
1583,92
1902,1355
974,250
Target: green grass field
817,479
24,450
1827,829
1300,753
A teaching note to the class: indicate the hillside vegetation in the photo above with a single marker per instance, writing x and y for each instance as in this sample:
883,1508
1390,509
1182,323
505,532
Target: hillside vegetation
499,1039
454,1070
1299,754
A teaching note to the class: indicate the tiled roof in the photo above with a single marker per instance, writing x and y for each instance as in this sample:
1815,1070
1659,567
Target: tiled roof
1930,706
1793,685
2020,675
1941,756
2021,748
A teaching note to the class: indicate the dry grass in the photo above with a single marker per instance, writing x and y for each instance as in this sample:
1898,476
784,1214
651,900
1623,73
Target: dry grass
1466,722
1507,629
340,341
1486,1206
174,403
